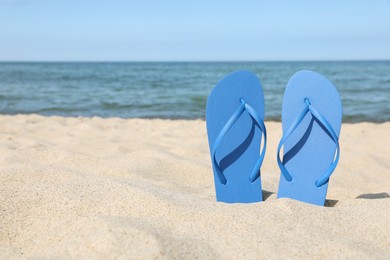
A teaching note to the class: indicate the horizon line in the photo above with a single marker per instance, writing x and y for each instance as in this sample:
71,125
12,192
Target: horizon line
184,61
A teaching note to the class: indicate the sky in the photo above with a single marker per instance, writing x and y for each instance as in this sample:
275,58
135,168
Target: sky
198,30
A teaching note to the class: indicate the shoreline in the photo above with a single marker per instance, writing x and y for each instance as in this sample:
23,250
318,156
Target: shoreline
159,118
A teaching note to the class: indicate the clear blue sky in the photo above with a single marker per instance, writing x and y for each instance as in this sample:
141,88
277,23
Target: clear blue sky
205,30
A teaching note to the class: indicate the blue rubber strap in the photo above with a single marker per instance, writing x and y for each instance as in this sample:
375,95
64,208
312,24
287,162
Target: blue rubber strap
256,170
292,128
316,114
324,179
221,134
233,119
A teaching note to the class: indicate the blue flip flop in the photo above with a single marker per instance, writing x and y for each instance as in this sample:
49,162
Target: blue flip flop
311,122
235,125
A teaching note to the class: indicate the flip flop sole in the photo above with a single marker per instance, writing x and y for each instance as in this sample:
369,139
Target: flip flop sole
239,149
309,151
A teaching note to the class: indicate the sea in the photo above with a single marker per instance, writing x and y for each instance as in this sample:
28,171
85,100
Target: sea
177,90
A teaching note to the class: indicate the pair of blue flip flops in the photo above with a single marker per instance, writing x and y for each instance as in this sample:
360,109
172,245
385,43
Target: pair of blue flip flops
311,122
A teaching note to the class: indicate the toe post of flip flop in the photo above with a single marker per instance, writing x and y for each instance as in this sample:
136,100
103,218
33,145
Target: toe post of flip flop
235,128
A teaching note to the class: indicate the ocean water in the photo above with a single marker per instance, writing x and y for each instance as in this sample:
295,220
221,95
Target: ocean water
177,90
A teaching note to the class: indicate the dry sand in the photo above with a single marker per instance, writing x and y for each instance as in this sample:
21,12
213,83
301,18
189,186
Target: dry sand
142,189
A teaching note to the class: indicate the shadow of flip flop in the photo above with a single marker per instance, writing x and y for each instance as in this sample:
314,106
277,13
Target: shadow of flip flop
372,196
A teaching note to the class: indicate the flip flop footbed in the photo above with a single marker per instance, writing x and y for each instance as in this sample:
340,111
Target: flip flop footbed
310,150
239,149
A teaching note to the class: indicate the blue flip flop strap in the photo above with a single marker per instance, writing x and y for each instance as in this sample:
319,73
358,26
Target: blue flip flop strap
260,123
316,114
228,125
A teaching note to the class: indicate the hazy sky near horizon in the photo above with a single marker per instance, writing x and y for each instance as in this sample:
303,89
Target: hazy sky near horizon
174,30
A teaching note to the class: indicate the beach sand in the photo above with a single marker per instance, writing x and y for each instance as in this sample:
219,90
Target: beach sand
143,189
